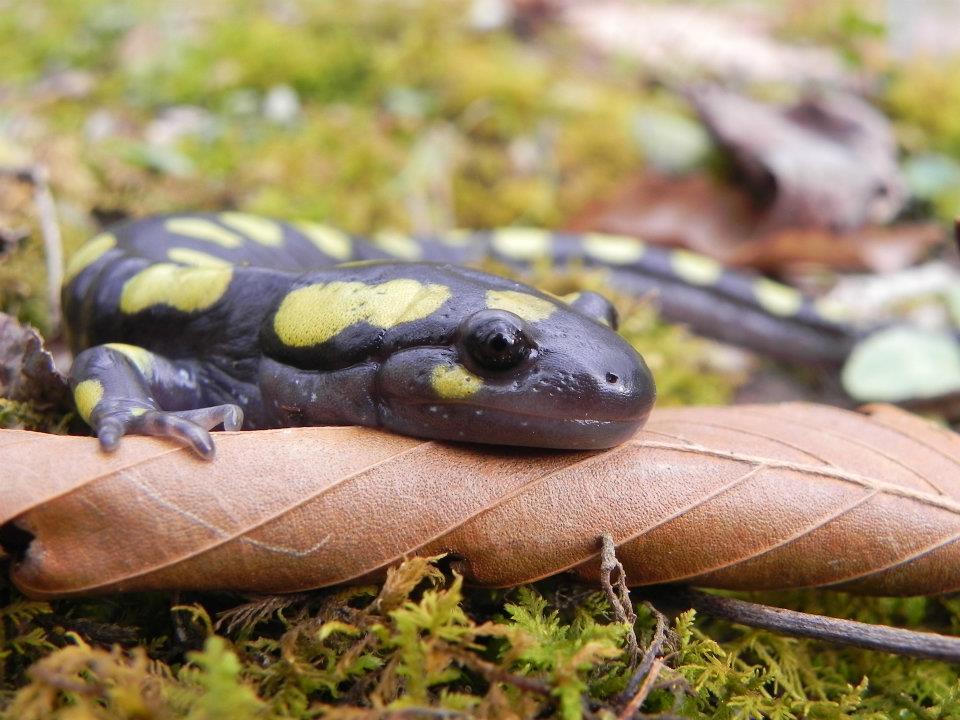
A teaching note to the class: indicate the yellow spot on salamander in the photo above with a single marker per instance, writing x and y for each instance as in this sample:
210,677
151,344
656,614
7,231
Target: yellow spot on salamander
261,230
569,298
86,395
196,258
185,288
695,269
614,249
454,382
316,313
139,356
138,411
831,310
333,242
200,229
530,307
524,244
776,298
398,245
88,254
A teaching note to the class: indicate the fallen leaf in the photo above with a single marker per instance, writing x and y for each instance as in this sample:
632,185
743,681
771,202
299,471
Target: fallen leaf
722,222
27,370
828,161
747,497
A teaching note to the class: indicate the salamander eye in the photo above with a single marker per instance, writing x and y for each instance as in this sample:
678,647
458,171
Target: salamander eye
496,339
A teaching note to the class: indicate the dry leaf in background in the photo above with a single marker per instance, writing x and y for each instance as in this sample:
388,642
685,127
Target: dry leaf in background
699,213
27,370
745,497
829,161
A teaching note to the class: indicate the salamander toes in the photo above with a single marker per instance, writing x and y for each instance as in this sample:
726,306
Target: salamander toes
230,416
109,432
187,427
183,430
234,418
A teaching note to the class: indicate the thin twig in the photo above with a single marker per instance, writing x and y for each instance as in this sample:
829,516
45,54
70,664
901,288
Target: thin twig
678,683
496,674
644,667
619,598
678,686
647,669
38,178
912,643
257,610
638,699
52,242
66,683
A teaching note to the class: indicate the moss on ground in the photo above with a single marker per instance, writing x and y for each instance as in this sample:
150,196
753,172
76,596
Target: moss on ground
422,646
373,115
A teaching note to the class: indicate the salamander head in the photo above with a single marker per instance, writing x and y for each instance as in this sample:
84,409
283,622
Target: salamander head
524,370
444,352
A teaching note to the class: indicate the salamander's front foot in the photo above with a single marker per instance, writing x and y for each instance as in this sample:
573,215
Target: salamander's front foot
188,427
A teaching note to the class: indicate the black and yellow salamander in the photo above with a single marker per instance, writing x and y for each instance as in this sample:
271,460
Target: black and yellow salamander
189,321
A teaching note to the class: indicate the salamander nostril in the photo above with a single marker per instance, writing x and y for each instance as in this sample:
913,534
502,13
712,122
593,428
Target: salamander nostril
612,379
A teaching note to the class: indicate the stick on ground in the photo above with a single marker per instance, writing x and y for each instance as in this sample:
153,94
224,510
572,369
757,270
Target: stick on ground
617,592
912,643
38,178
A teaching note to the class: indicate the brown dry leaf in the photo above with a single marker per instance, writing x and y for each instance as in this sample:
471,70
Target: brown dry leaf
746,497
828,161
27,370
720,221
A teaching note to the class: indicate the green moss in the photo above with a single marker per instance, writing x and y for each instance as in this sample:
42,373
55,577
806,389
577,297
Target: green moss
851,27
61,36
925,97
319,58
212,687
422,642
565,651
23,416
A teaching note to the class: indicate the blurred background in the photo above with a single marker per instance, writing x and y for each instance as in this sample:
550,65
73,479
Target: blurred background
816,142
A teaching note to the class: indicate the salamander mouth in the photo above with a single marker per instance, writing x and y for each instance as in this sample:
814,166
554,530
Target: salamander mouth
558,416
471,423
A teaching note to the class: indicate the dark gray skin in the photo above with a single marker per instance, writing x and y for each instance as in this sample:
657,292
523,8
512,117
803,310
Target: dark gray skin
577,385
580,386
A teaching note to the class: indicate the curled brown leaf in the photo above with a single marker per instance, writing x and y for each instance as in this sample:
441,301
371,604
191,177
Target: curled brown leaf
746,497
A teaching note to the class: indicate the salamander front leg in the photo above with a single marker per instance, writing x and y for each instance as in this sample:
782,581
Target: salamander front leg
124,389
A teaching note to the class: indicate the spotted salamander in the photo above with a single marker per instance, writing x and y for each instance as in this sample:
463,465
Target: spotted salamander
185,322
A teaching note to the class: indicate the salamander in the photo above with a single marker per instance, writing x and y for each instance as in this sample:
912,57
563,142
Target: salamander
184,322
